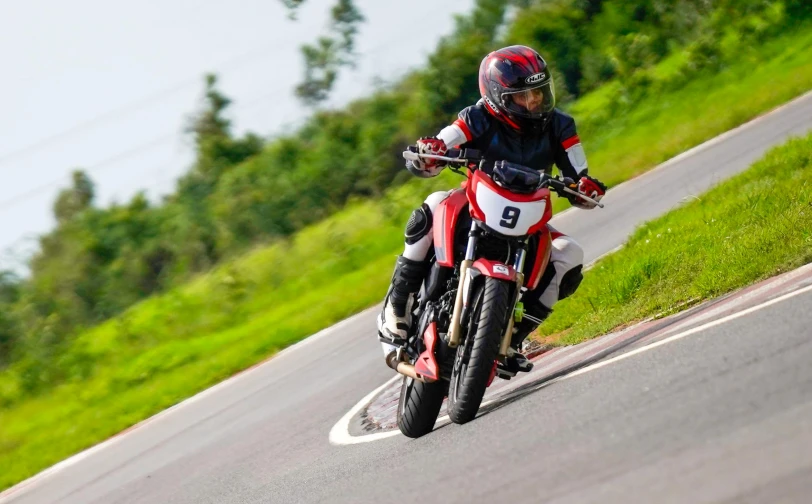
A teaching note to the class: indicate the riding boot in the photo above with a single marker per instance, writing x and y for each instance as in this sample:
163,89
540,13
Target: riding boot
516,361
395,319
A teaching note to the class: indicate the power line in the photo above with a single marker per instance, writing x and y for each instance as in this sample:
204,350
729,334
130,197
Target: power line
96,168
110,161
230,64
133,106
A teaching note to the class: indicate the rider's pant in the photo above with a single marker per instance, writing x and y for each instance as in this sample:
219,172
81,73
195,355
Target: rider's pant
562,277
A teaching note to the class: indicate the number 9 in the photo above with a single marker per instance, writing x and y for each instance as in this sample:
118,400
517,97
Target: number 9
510,217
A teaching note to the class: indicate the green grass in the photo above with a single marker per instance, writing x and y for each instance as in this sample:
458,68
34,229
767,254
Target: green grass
624,141
171,346
749,228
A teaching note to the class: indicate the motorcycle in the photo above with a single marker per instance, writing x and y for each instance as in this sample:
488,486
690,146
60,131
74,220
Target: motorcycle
491,245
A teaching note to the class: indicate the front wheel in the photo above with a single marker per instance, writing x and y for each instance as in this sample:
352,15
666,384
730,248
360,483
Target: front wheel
476,357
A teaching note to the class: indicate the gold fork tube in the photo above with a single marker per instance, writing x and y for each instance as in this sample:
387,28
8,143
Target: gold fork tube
454,329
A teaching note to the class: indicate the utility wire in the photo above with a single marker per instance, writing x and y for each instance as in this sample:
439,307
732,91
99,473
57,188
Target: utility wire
96,168
245,58
129,108
112,160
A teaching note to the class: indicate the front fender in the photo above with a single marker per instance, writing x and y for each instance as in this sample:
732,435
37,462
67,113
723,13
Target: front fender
495,269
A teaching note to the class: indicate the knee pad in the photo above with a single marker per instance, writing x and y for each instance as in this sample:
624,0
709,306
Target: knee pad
419,224
570,282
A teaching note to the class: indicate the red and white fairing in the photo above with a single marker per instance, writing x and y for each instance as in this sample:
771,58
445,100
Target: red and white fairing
505,212
511,218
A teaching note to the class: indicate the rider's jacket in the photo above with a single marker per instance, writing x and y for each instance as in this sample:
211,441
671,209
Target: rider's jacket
535,147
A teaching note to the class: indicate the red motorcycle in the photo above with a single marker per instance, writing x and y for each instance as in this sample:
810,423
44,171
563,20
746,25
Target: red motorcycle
491,244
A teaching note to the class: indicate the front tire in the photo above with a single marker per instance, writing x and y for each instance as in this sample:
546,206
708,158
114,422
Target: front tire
476,357
419,406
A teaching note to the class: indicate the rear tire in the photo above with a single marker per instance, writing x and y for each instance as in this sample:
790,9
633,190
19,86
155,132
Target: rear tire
419,406
476,357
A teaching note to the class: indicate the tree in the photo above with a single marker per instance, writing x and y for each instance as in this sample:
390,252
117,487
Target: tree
210,122
324,59
70,202
216,149
9,329
292,5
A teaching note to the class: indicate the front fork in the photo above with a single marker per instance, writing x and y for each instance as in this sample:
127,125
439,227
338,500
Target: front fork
518,265
462,294
464,287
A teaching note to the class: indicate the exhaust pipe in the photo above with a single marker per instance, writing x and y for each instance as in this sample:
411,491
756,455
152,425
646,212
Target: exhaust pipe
404,368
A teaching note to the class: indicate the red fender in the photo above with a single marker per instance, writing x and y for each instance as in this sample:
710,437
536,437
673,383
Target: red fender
426,365
495,269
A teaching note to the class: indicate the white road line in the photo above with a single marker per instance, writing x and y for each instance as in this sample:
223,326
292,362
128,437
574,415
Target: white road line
339,434
687,333
728,305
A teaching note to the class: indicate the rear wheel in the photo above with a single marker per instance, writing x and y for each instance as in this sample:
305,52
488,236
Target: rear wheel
419,406
476,357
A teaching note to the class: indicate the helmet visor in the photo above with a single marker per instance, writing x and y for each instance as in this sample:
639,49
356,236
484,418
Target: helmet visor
531,102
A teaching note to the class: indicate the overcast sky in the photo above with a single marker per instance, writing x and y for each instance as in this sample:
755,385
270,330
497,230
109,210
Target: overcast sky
106,86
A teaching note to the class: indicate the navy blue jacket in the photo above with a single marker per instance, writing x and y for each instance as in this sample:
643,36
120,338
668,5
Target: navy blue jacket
557,143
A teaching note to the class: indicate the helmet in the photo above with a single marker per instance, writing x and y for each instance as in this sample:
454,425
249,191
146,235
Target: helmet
517,87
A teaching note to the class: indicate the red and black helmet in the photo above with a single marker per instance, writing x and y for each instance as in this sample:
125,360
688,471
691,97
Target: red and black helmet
517,86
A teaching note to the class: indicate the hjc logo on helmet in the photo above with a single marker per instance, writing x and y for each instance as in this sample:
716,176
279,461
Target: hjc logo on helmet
533,79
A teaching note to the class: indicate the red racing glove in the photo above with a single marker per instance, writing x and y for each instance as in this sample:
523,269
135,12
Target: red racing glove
433,146
591,187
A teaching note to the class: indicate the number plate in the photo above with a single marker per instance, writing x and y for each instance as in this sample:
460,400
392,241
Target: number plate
511,218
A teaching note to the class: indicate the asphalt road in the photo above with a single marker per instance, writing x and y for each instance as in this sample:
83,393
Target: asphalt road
721,416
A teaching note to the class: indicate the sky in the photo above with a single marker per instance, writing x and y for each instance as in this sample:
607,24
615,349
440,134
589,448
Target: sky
107,87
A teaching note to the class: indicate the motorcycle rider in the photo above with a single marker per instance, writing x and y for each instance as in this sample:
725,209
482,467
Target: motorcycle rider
516,121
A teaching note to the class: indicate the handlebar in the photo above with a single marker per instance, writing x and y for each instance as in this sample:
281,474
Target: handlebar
470,158
457,157
561,188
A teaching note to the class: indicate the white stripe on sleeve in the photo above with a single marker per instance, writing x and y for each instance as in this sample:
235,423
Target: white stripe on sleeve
452,136
577,157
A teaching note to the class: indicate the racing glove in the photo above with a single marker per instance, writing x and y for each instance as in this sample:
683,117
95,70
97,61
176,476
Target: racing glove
592,187
433,146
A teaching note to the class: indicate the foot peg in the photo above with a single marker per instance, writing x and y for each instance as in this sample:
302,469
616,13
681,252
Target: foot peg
514,364
385,336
